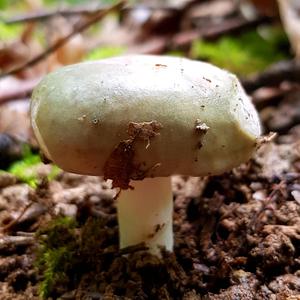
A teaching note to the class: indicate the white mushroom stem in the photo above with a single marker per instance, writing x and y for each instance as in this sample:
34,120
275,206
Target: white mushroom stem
145,214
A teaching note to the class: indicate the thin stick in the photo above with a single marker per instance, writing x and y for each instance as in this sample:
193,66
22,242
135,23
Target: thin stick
69,12
43,15
16,221
284,70
77,29
23,90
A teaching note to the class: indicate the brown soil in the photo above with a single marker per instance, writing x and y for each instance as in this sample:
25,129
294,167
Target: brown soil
237,236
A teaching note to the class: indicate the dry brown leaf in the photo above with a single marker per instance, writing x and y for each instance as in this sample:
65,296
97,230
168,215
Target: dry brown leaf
12,54
14,118
17,52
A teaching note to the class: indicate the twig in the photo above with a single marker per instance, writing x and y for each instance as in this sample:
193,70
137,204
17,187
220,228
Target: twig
228,26
134,248
285,70
69,12
16,221
271,198
77,29
24,90
7,242
232,25
43,15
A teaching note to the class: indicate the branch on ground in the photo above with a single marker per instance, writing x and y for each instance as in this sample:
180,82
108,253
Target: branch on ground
78,28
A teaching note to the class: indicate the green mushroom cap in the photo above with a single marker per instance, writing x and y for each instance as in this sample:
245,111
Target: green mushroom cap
139,116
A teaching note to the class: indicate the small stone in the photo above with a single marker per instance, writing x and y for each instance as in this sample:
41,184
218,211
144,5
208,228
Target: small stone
296,195
67,210
7,179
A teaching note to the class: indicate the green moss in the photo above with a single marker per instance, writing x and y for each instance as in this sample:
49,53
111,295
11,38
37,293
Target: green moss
104,52
55,263
176,53
25,169
57,255
68,249
9,32
58,232
12,6
244,54
3,4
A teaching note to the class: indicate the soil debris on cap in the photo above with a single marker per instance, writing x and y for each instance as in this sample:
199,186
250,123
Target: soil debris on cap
144,130
201,129
201,126
120,166
160,65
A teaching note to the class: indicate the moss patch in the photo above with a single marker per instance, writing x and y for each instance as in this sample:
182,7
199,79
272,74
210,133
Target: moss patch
9,32
104,52
57,255
25,169
247,53
67,251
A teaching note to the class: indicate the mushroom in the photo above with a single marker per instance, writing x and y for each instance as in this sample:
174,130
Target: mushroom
139,119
